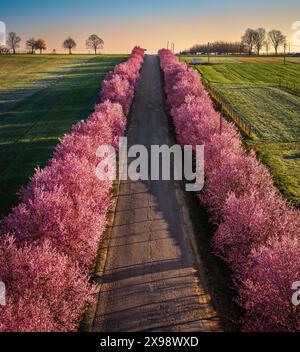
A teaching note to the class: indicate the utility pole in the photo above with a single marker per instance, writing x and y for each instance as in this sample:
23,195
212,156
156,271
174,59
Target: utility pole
284,55
168,45
208,52
172,48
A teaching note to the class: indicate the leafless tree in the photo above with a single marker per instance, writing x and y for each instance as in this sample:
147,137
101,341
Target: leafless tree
94,42
13,41
259,38
248,39
277,39
4,50
40,45
31,44
267,45
70,44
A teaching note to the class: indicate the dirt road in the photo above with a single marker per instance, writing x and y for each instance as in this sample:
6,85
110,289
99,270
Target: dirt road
152,280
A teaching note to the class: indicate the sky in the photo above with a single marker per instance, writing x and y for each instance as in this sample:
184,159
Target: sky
150,24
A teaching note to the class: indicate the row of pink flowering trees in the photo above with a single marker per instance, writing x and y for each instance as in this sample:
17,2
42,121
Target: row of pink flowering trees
49,241
257,231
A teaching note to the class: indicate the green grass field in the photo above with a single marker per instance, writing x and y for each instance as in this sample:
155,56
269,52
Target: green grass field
250,87
215,59
40,98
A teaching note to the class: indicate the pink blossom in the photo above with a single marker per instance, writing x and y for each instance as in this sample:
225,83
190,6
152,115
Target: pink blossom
265,289
257,231
61,217
44,290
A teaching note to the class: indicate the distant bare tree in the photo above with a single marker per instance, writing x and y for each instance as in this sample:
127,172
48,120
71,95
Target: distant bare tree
94,42
277,39
267,43
40,45
69,44
259,38
13,41
242,48
31,44
248,39
218,47
4,50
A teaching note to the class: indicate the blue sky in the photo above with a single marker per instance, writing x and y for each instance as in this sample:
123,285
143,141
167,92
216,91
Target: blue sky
153,22
75,9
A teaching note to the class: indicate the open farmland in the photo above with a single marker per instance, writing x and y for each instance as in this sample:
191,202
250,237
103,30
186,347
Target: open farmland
250,87
40,98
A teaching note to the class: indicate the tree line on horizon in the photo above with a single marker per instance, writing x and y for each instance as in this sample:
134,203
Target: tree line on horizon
253,41
94,42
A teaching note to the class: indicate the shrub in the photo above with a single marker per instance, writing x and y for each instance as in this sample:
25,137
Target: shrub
248,222
65,203
265,291
44,290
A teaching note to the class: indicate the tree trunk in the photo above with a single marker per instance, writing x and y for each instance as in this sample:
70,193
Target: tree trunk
41,51
95,51
14,51
276,49
70,51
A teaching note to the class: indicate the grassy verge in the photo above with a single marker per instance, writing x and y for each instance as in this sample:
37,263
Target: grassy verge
283,159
